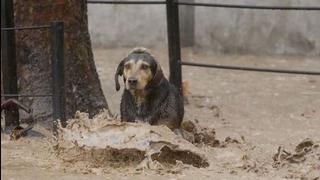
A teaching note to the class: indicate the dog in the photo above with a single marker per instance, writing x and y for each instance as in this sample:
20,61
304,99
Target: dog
148,96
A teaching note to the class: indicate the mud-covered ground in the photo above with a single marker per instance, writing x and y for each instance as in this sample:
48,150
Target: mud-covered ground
255,113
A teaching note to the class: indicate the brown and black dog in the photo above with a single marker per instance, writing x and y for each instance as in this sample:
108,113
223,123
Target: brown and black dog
148,96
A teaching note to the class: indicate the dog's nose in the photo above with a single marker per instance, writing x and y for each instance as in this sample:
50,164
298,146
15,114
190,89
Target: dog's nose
133,81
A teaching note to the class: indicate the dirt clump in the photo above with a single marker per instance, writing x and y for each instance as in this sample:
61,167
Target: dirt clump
302,163
204,136
304,149
105,142
198,135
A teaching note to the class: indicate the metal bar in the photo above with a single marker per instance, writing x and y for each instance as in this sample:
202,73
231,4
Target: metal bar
249,6
25,28
57,40
250,68
174,44
8,62
127,2
26,95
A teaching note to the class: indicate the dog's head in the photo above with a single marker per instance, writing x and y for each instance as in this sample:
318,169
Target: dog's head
140,70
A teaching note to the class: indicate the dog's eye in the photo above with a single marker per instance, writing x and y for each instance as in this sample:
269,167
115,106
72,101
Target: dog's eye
127,66
144,67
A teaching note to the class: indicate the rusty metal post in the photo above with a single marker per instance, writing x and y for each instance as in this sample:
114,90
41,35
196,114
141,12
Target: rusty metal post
174,43
8,60
58,86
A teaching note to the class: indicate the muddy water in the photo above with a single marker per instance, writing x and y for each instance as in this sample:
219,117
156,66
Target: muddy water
260,111
103,142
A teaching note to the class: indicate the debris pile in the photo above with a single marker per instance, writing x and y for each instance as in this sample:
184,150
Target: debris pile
304,149
103,141
303,163
198,135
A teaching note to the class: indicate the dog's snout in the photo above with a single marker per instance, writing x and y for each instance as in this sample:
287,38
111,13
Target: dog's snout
133,81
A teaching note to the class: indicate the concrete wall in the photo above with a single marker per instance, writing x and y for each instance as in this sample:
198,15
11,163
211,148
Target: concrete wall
127,25
217,30
259,31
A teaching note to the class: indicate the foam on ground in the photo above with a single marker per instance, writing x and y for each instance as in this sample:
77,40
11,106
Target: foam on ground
104,141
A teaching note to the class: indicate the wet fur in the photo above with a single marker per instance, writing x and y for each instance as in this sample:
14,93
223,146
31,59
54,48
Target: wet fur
158,103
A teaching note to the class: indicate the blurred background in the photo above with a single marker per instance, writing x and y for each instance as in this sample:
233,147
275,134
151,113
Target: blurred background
261,111
213,30
254,38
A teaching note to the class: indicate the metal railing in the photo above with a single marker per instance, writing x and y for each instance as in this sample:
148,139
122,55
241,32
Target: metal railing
25,28
174,48
57,65
126,2
234,6
239,68
176,66
26,95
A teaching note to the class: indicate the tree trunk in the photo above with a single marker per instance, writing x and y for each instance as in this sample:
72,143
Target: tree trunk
83,90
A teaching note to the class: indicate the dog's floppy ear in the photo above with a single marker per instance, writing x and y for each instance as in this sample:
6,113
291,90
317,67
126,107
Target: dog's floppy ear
157,78
119,72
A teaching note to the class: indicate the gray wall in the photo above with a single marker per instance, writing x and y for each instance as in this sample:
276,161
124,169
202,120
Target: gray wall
127,25
217,30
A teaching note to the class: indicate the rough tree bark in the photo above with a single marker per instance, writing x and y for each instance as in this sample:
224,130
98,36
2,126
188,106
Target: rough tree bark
83,90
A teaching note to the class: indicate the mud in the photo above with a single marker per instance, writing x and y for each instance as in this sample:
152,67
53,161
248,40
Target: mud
250,114
103,141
